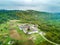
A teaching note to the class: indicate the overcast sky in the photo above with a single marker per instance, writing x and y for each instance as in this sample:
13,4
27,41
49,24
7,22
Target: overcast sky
41,5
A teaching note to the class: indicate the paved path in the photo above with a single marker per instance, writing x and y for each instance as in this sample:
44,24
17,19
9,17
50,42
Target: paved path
47,39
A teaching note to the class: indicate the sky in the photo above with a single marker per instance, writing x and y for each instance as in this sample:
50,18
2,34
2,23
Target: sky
40,5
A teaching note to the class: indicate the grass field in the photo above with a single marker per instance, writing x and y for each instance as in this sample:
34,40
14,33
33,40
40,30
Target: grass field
9,32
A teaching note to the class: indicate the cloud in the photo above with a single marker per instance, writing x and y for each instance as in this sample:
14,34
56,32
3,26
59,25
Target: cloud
41,5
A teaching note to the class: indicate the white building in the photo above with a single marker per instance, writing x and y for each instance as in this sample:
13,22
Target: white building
27,28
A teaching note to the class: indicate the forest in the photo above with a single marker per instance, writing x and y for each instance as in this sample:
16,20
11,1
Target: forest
49,23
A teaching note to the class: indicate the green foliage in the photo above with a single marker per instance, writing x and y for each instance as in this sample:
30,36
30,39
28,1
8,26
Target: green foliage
47,22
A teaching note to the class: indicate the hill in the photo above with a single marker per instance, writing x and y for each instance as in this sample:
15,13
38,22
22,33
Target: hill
47,22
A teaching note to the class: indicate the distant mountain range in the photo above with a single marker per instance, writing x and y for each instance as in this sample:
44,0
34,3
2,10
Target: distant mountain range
29,15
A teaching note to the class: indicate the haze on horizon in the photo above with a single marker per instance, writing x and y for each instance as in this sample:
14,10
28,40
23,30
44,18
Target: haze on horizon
40,5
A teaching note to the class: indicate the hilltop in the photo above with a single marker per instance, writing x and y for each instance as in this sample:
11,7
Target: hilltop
49,23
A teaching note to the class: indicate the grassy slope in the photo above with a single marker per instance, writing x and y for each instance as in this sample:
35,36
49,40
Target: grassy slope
44,20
